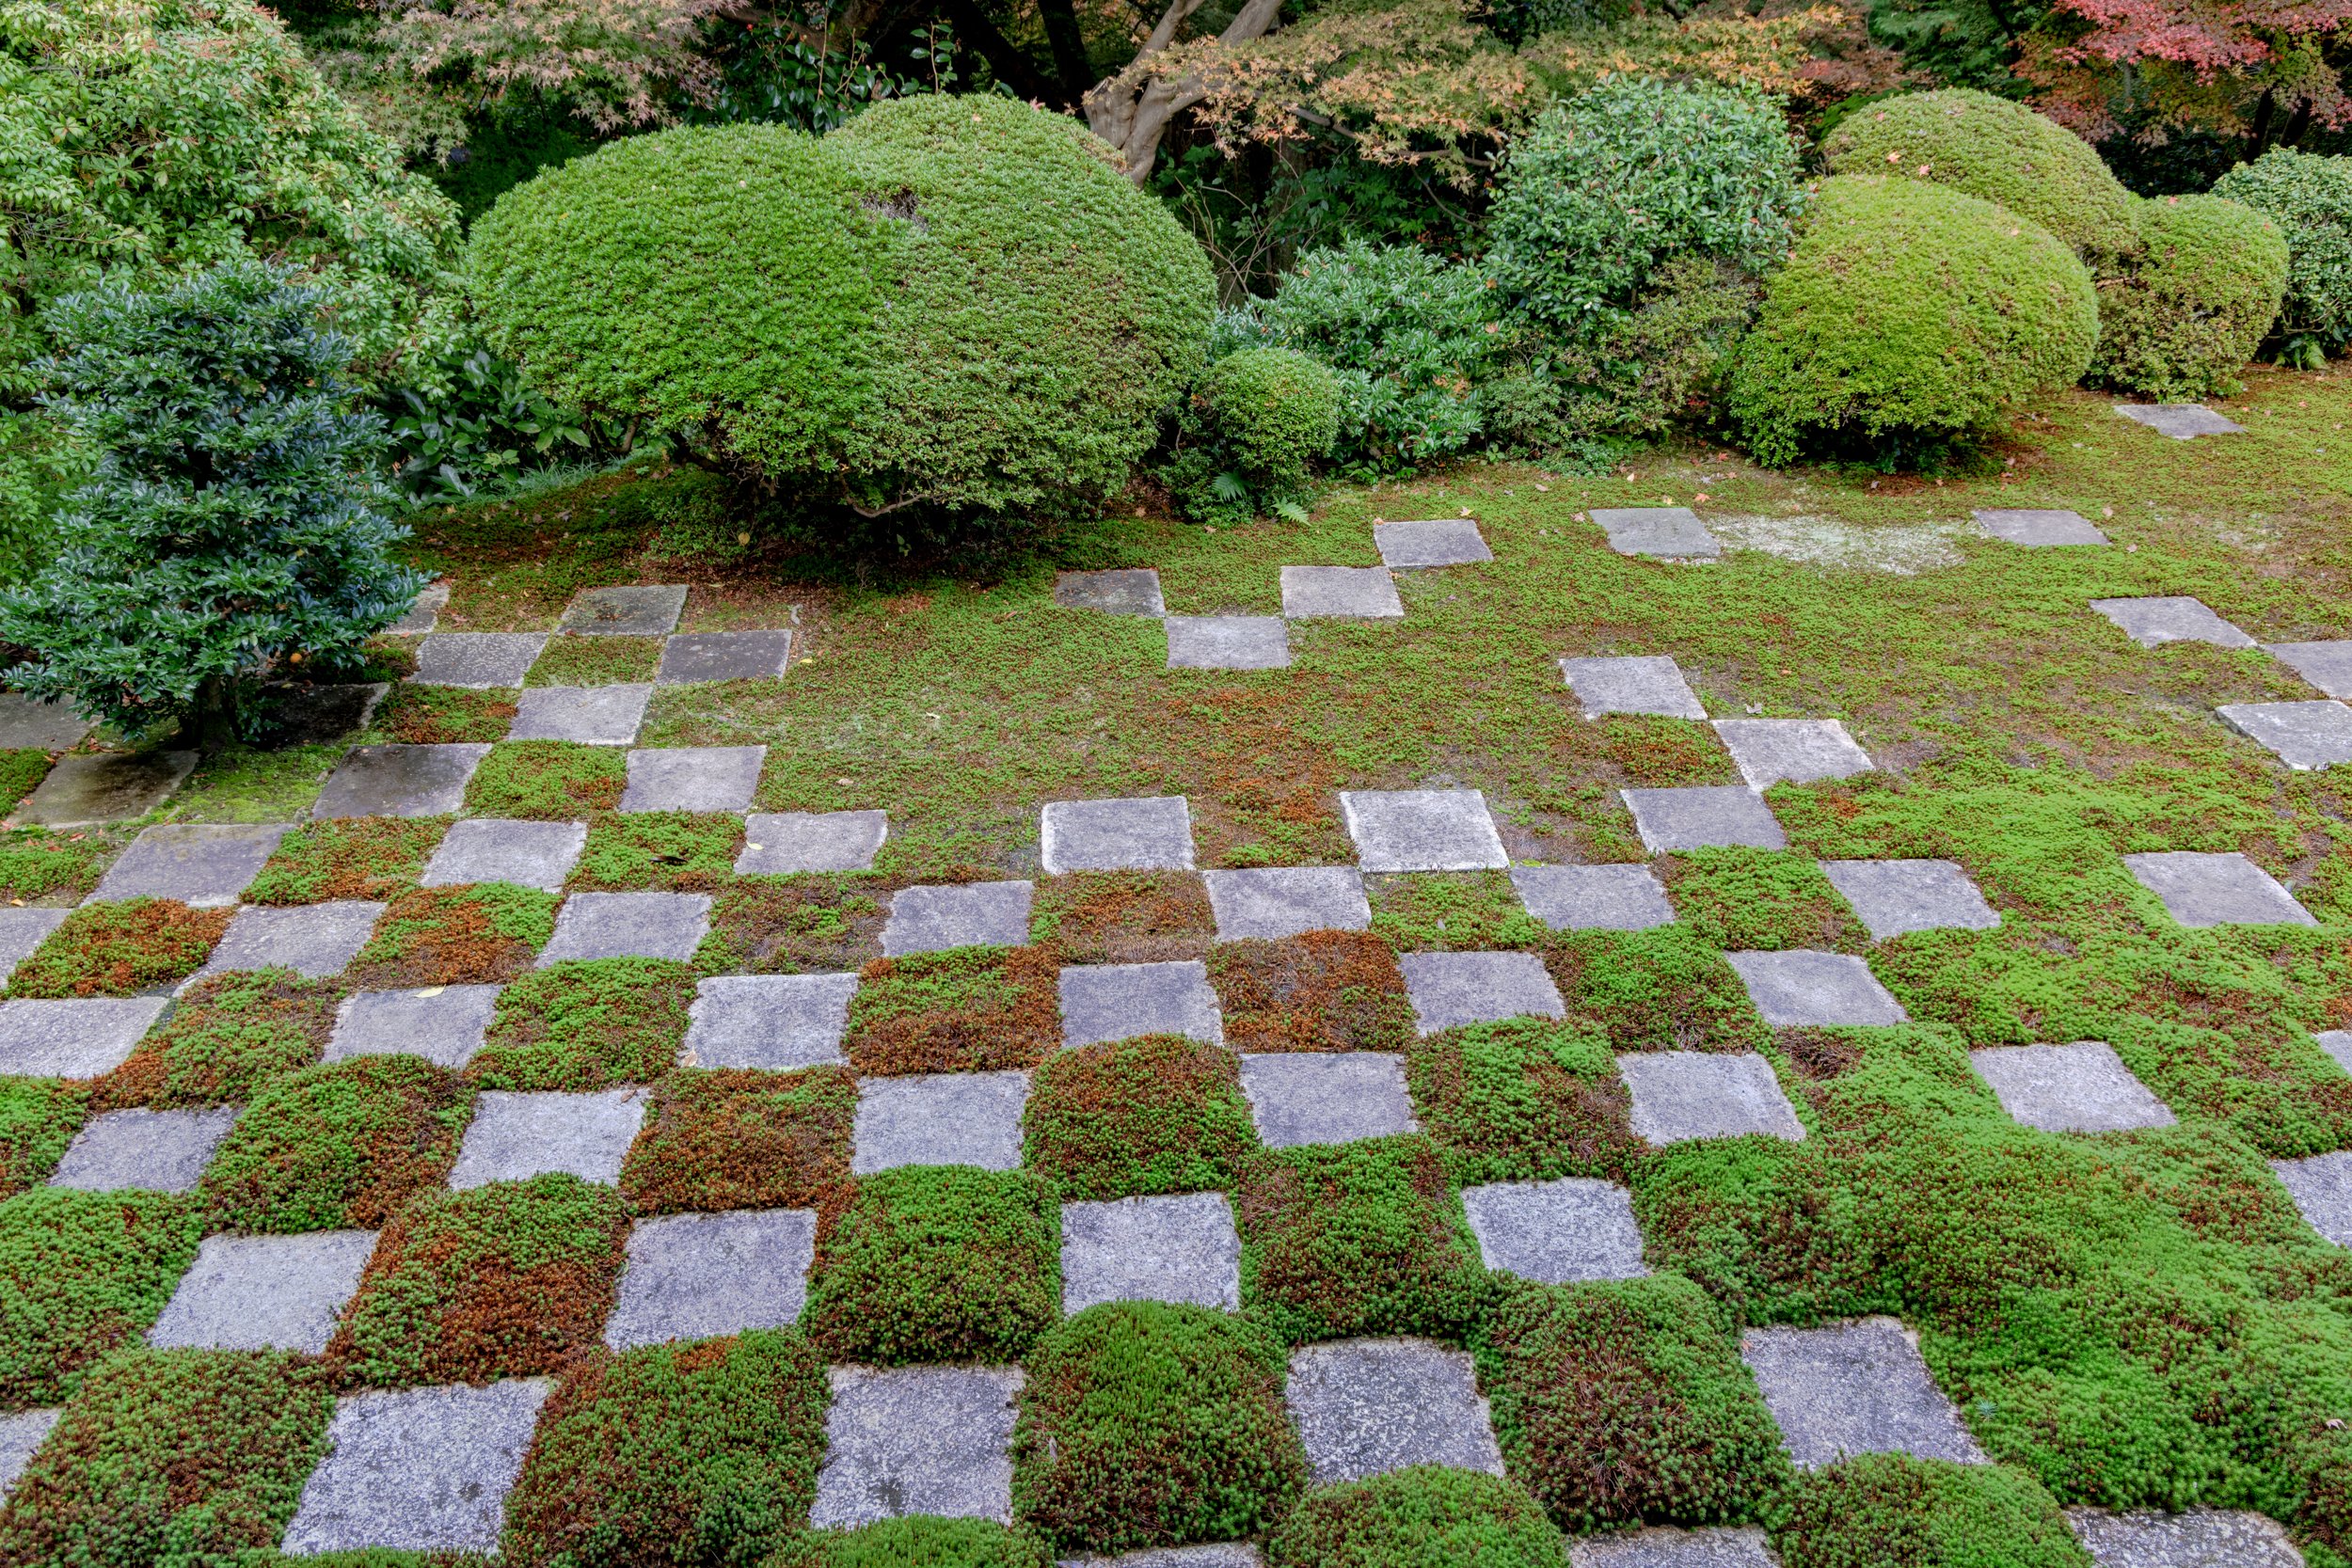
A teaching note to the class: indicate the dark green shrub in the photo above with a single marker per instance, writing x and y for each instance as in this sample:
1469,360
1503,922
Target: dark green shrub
586,1024
1911,318
39,1118
1421,1517
228,1037
338,1146
81,1272
1524,1100
2310,198
1640,371
1890,1507
1256,423
732,1138
120,948
1150,1425
2188,312
463,934
371,858
1129,1118
918,1541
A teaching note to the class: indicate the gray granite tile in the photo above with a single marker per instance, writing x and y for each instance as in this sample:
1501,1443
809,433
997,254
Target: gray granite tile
423,612
780,843
491,850
1593,897
76,1038
587,715
939,1119
444,1025
1119,1002
2154,622
1422,830
102,786
2082,1087
1667,1548
1227,643
1852,1388
1439,542
400,781
1800,990
2337,1044
1452,989
1346,592
2038,527
1143,834
21,1435
1178,1248
1364,1407
770,1022
648,610
1131,591
723,655
905,1440
2183,422
418,1469
1702,817
479,660
313,939
264,1293
1672,532
514,1138
1651,685
153,1151
1286,901
203,865
21,932
1895,896
2325,665
974,914
2202,1538
2316,733
2321,1186
2201,890
1697,1094
1797,751
628,925
693,778
1556,1232
693,1277
1326,1097
29,724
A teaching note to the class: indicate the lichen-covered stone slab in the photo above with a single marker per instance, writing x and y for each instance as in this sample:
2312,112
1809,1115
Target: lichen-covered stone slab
514,1138
204,865
2183,422
1895,897
1703,817
75,1037
491,850
1593,897
2154,622
782,843
2201,890
481,660
939,1119
418,1469
976,914
1364,1407
1144,833
1650,685
2321,1186
1852,1388
141,1150
1182,1247
264,1293
29,724
723,655
1273,902
586,715
1556,1232
1452,989
104,786
1437,542
1802,989
770,1022
1422,830
423,611
1668,1547
905,1440
2039,528
1129,590
2081,1087
2317,733
1227,643
693,778
1119,1002
1797,751
1673,532
2202,1538
21,932
628,925
1698,1094
444,1025
2325,665
1343,593
693,1277
1317,1096
400,781
313,939
649,609
21,1436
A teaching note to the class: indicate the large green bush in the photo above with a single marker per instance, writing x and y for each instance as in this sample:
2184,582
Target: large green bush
2002,151
951,302
2186,315
1256,423
2310,198
1912,316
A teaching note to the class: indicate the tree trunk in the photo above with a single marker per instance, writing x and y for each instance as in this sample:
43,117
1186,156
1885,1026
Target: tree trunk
1132,110
1069,50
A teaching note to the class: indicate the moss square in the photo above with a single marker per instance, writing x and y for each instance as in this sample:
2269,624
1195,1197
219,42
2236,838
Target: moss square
1326,990
740,1139
1123,917
1423,1515
121,949
372,859
21,772
338,1147
81,1272
588,1023
1458,912
473,933
597,661
548,781
1132,1118
39,1118
1654,752
1891,1508
1524,1100
414,715
969,1010
37,863
672,851
227,1037
918,1541
802,924
1760,900
1661,989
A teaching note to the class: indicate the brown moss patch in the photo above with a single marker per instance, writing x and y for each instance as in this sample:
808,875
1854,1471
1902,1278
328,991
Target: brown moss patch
341,1146
1819,1055
367,858
444,714
1326,990
1123,917
1666,754
473,933
796,924
733,1138
1129,1118
121,949
229,1035
971,1009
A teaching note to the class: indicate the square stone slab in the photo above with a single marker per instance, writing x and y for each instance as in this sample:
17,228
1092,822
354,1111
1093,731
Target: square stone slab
628,925
482,660
1593,897
1440,542
780,843
1227,643
1556,1232
1851,1388
2325,665
514,1138
418,1469
633,611
693,778
2202,1538
150,1151
1148,833
2183,422
772,1022
2151,622
723,655
21,932
590,715
2304,734
1702,1094
1273,902
1651,685
312,940
423,611
1701,817
1326,1097
400,781
976,914
917,1440
29,724
444,1025
2217,889
2039,528
1131,591
1364,1407
2082,1087
1800,990
1350,593
1797,751
1673,531
490,850
2337,1044
204,866
75,1037
939,1119
21,1435
1422,830
264,1293
2321,1186
1180,1248
1895,896
692,1277
1119,1002
1450,989
1715,1547
102,786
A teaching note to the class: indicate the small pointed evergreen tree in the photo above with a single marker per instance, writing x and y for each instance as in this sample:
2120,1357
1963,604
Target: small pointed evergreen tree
234,525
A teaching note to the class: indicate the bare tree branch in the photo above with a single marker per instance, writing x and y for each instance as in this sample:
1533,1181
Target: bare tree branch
1132,110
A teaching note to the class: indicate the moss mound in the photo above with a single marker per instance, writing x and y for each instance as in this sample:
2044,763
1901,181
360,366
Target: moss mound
2189,313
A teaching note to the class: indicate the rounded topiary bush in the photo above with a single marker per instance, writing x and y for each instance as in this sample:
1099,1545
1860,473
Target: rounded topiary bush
1258,422
1889,1508
950,302
2186,316
1911,317
2310,198
1997,149
1425,1516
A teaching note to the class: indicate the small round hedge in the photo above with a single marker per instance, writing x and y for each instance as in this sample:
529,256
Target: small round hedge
2310,198
1997,149
2193,309
950,302
1912,316
1425,1516
1890,1507
1275,411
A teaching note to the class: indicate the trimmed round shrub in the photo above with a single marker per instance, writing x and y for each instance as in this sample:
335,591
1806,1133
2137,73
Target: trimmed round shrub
1997,149
2310,198
1257,422
1911,317
2190,313
950,302
1425,1516
1890,1507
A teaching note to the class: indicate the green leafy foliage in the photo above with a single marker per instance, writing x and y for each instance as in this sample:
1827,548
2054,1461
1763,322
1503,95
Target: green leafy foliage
2183,319
39,1118
1891,1508
1636,371
586,1024
1133,1118
1523,1099
1256,423
918,1541
371,858
81,1272
2310,198
341,1146
1421,1517
733,1138
120,948
228,1038
675,851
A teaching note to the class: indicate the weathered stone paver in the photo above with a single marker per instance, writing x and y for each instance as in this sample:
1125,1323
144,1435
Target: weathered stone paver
1435,542
1227,643
976,914
74,1038
27,725
1852,1388
772,1022
2154,622
587,715
418,1469
2080,1087
153,1151
2337,1044
1313,1097
2325,665
1450,988
2038,527
649,609
690,1276
1422,830
2202,1538
1182,1247
917,1440
514,1138
20,1434
1556,1232
1644,685
1798,750
491,850
1141,833
1703,817
1343,593
1364,1407
2316,733
264,1293
444,1025
1895,897
104,786
723,655
1284,901
400,781
423,612
1697,1094
1672,532
628,925
2183,422
1129,590
204,865
21,932
481,660
1801,989
1119,1002
1593,897
2201,890
314,939
693,778
781,843
1716,1546
2321,1186
939,1119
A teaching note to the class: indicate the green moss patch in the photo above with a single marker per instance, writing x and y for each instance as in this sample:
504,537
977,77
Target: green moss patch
39,1118
415,715
1123,917
338,1147
918,1541
1149,1425
548,781
227,1037
701,1452
1464,912
1524,1100
969,1010
1326,990
937,1263
1421,1517
1129,1119
121,949
470,933
586,1024
505,1280
371,858
1760,900
738,1139
1654,752
1886,1508
21,772
796,924
81,1272
677,851
1661,989
597,661
37,863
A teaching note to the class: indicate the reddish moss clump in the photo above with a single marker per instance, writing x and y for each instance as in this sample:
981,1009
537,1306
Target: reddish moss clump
971,1009
1157,1114
229,1035
1524,1100
796,924
370,858
473,933
121,949
338,1147
1326,990
739,1139
1123,917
